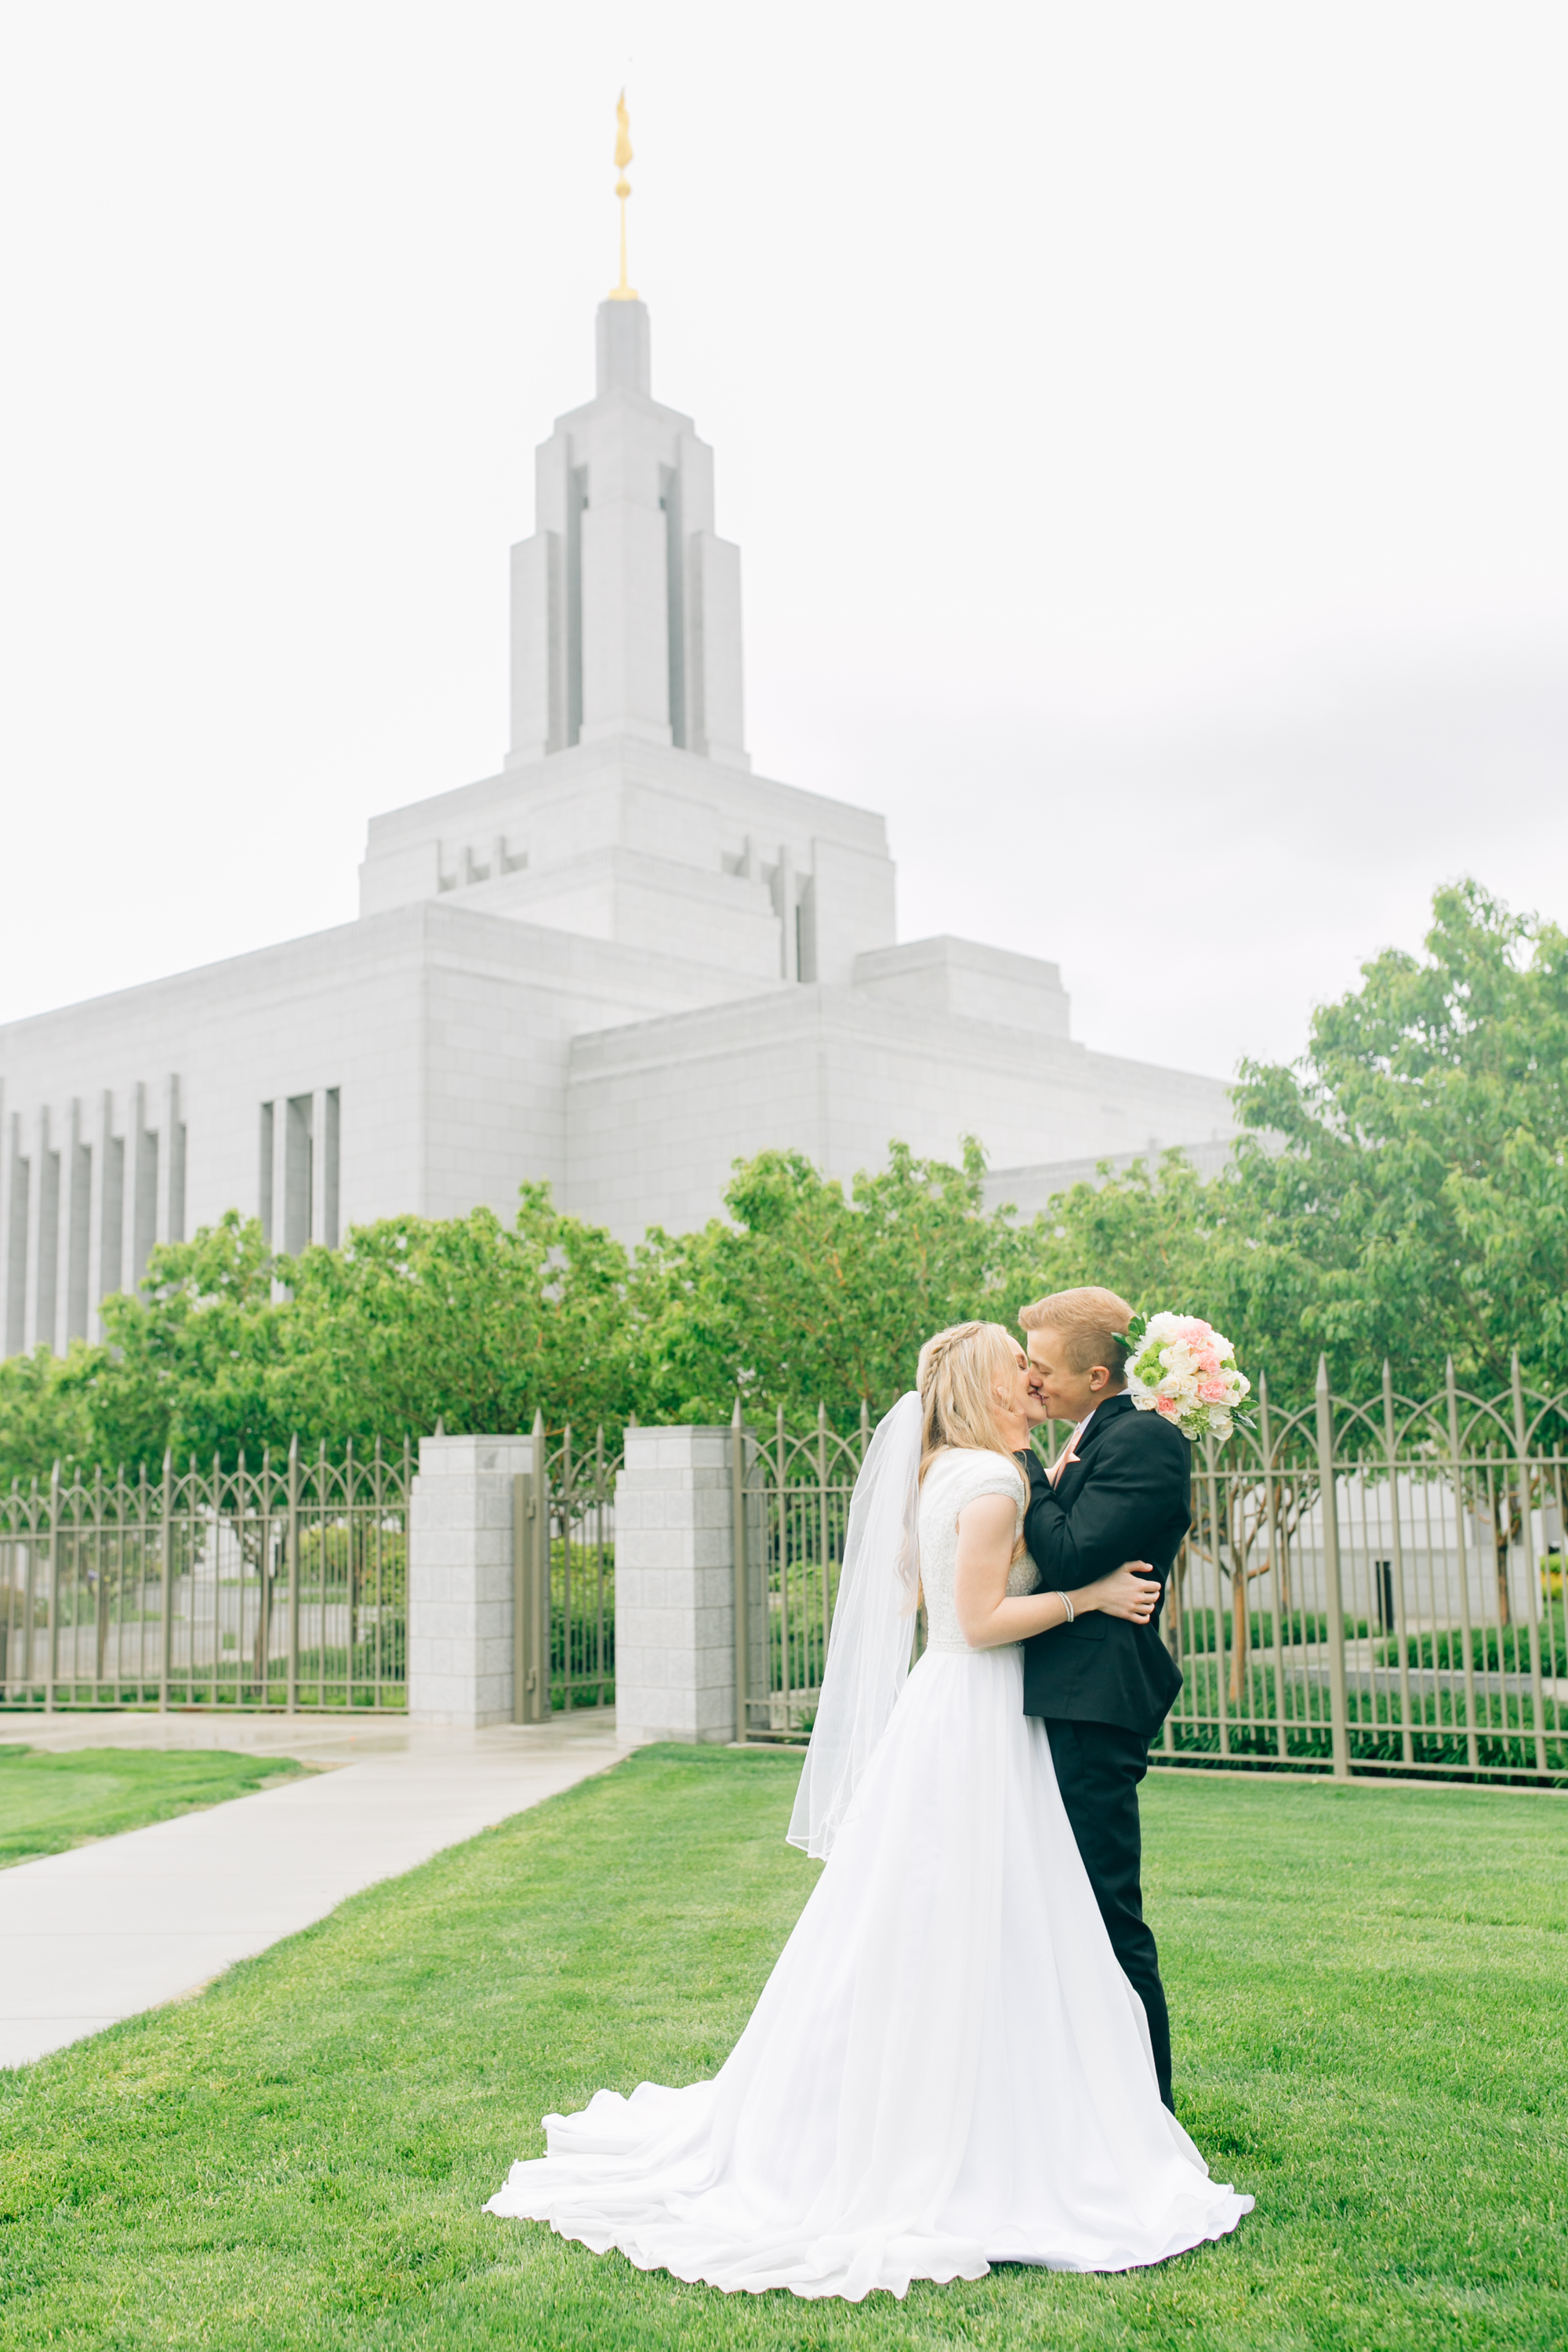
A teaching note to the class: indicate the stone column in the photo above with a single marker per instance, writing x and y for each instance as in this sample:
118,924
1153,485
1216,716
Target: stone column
460,1579
675,1589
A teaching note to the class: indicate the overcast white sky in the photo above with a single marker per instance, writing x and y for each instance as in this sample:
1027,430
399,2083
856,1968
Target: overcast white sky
1143,425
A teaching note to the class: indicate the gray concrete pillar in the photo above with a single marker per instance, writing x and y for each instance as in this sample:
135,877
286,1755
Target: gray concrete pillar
460,1579
675,1586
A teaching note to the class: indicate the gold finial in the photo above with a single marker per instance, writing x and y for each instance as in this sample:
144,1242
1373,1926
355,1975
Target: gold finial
623,292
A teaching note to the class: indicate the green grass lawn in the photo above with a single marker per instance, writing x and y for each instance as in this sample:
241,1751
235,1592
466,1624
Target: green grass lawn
1370,1990
48,1801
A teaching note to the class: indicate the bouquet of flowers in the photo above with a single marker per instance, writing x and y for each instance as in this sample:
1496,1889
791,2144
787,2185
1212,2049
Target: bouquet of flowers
1183,1369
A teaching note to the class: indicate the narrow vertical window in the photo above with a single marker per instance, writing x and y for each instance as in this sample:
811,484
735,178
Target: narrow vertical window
48,1246
576,500
297,1175
330,1187
177,1183
146,1212
111,1255
264,1175
805,931
78,1241
17,1255
675,599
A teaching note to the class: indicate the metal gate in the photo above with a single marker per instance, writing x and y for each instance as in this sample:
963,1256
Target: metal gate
563,1578
278,1585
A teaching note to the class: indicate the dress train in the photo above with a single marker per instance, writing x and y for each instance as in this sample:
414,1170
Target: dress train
946,2068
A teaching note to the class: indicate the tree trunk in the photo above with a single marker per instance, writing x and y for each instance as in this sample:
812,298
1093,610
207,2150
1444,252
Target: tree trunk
1503,1531
1239,1630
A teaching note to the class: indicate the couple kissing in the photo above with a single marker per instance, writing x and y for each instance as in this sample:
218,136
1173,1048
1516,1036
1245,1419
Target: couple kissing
962,2055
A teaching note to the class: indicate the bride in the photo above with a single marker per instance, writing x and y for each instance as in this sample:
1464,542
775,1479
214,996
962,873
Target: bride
947,2067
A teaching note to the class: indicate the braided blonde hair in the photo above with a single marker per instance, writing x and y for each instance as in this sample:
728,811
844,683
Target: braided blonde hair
957,1379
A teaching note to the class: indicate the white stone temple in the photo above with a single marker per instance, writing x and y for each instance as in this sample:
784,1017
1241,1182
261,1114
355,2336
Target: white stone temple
620,963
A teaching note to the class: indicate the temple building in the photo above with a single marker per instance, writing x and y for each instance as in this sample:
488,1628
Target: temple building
621,962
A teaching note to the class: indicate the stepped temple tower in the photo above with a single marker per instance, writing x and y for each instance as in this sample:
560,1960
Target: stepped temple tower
621,962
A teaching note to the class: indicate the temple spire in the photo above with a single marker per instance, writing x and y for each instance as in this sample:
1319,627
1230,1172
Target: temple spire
623,292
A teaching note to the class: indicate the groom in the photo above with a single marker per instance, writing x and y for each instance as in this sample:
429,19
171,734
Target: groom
1103,1686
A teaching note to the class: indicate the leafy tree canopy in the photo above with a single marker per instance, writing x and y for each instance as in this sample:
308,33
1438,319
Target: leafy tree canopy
1421,1202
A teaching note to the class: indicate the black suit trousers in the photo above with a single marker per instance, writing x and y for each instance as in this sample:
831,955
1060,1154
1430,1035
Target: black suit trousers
1099,1767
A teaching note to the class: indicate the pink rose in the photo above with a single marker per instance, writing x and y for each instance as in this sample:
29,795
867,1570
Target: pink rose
1214,1391
1167,1405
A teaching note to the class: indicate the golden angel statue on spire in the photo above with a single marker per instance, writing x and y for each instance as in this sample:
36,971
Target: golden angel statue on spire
623,292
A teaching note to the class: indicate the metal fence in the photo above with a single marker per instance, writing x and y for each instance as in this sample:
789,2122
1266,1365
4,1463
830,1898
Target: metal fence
1373,1587
563,1564
791,1505
282,1585
1370,1586
1377,1587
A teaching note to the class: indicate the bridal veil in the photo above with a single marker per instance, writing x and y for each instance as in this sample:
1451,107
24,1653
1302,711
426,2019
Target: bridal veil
872,1637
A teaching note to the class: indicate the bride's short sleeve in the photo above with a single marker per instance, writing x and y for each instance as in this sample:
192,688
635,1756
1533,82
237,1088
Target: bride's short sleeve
984,1475
955,1480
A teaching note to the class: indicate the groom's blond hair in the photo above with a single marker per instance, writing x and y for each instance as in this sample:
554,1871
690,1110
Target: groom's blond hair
1092,1323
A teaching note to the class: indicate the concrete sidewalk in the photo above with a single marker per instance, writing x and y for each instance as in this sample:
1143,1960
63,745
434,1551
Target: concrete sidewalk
109,1929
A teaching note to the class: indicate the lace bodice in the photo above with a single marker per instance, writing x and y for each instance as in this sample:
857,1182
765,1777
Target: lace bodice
953,1480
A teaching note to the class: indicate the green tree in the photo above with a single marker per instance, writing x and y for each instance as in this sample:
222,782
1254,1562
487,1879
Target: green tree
1403,1191
465,1319
1423,1189
228,1349
191,1361
45,1416
813,1294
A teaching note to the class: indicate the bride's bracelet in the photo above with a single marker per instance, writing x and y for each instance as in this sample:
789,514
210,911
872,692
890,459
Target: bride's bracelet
1066,1604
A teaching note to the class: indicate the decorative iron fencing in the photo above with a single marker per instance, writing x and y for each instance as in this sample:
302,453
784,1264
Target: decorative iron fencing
1416,1625
1367,1587
791,1504
1412,1622
581,1511
283,1586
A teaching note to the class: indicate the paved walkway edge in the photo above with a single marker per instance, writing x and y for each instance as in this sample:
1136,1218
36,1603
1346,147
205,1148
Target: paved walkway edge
111,1929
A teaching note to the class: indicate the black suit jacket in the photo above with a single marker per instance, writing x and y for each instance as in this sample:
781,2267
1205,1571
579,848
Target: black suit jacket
1126,1497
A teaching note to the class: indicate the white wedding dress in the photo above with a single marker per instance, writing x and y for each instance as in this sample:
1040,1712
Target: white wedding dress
946,2068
